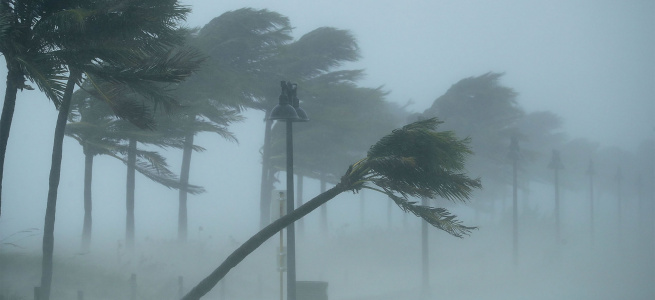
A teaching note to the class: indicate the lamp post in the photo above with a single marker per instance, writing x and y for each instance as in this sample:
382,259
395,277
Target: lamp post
514,156
288,109
425,276
556,165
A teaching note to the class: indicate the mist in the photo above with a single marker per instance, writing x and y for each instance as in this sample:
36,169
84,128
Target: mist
589,64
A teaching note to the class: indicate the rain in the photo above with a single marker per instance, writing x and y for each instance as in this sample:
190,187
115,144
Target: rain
451,150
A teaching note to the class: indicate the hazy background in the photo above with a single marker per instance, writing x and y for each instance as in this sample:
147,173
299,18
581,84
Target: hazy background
590,62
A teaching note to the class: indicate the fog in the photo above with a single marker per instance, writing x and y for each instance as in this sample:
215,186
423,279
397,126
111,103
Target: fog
592,63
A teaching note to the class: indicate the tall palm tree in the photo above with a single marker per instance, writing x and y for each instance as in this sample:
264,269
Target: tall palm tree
316,53
207,116
28,58
94,125
236,44
414,161
120,42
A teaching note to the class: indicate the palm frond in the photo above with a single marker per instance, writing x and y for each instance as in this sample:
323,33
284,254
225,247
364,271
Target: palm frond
417,161
438,217
46,72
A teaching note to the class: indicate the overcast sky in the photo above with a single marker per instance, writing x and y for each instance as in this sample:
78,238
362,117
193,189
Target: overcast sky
591,62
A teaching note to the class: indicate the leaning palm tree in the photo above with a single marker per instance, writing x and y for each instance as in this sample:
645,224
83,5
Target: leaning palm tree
28,59
414,161
123,42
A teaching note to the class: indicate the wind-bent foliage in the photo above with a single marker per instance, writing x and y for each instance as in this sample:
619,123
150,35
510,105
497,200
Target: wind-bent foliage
415,160
89,37
93,124
313,57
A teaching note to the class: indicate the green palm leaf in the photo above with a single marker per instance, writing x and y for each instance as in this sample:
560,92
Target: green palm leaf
417,161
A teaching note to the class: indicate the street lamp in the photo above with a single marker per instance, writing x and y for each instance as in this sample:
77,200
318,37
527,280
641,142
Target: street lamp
514,156
556,165
288,109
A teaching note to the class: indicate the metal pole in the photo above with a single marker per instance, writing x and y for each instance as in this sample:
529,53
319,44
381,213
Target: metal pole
619,177
424,247
514,155
281,254
515,214
590,172
291,236
557,220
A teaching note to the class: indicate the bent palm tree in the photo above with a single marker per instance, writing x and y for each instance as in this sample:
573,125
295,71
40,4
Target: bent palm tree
93,124
82,35
414,161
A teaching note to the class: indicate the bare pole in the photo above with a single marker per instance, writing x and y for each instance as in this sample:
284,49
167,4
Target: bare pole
619,178
514,156
556,165
425,255
591,172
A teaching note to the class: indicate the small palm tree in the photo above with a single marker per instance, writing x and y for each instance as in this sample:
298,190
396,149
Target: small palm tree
414,161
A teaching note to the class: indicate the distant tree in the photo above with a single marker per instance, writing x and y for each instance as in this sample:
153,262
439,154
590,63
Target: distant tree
483,109
197,117
94,125
539,132
316,53
414,161
237,45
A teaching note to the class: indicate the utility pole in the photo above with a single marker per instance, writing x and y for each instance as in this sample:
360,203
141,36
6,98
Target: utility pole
591,172
425,255
619,178
556,165
514,156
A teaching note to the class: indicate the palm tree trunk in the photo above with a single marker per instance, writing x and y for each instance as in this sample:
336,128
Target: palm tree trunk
184,182
265,188
55,173
129,197
14,77
88,178
257,240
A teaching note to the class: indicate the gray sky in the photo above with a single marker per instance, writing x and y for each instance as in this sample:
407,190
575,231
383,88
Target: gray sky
591,62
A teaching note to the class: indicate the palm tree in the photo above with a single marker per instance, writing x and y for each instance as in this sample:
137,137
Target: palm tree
27,58
96,39
482,108
236,43
414,161
94,125
314,54
239,45
208,116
